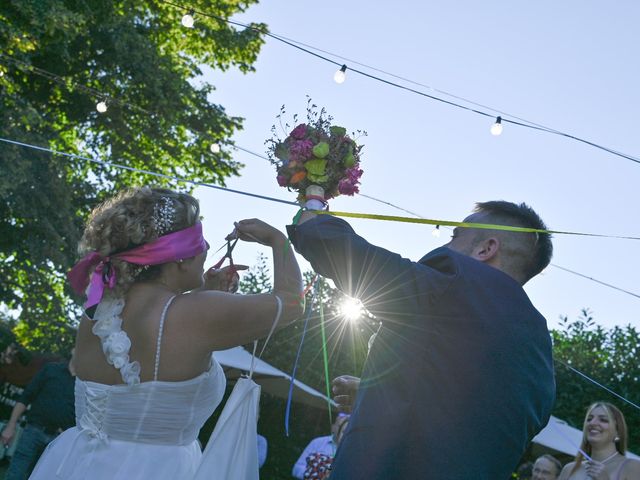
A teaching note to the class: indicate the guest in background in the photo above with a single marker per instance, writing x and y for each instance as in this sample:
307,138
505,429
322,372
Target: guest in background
546,467
320,451
604,439
18,366
51,397
524,471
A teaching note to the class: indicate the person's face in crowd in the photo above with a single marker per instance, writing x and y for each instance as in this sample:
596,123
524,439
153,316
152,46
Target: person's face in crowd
8,355
544,469
599,428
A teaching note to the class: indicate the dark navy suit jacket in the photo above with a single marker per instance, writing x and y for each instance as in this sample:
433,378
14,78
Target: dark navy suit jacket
460,375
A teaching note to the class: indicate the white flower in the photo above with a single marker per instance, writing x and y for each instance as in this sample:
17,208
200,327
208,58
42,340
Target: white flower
119,361
107,317
106,326
117,343
131,373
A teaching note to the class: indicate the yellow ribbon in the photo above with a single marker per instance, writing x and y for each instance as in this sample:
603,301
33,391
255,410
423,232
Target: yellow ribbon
487,226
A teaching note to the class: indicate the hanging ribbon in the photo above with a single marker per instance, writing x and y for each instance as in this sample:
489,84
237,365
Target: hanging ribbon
324,351
287,411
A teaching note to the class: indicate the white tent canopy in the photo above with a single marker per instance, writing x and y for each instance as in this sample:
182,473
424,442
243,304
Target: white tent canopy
236,361
560,437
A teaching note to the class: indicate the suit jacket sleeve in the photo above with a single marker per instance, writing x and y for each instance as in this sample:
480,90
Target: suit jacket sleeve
385,282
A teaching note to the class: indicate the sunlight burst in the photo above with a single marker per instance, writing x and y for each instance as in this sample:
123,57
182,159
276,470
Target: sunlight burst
351,309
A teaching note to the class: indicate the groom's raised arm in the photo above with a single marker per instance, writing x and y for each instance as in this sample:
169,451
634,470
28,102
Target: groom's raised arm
384,281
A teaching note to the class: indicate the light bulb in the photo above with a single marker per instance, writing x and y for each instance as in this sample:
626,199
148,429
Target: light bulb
101,106
436,231
496,128
215,148
187,20
1,74
340,76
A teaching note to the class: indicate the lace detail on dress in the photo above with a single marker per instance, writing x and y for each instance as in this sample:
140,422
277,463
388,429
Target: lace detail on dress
115,341
92,419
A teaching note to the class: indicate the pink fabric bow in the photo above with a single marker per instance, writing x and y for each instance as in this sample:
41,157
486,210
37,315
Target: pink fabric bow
175,246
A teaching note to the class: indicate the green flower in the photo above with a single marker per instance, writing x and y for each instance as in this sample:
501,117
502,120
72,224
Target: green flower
316,166
317,178
338,131
349,160
321,150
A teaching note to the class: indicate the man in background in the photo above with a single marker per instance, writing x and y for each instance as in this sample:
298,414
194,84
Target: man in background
546,467
51,397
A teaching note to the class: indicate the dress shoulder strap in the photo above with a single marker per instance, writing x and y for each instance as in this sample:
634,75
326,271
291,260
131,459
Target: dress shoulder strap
618,472
160,330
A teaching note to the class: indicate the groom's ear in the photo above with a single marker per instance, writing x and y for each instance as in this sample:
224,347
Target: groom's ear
487,250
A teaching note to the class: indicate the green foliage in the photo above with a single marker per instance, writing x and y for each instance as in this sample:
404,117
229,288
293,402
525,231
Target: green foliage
608,356
147,67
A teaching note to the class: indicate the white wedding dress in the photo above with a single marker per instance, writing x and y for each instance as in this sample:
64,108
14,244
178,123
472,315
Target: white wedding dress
149,430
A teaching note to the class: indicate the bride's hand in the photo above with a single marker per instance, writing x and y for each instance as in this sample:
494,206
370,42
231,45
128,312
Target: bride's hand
254,230
223,279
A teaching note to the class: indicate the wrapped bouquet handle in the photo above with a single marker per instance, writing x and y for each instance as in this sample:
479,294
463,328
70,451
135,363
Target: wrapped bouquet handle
318,160
314,195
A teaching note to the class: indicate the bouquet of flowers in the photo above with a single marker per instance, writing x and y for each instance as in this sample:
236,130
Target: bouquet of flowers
318,160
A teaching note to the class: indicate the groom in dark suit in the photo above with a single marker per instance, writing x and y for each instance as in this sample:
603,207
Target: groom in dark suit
460,375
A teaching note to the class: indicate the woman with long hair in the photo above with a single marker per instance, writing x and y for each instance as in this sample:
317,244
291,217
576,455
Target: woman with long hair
604,440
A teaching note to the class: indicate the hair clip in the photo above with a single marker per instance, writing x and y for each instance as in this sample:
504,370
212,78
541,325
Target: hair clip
163,213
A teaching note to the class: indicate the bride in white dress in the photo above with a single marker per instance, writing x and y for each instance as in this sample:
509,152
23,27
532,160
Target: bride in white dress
146,377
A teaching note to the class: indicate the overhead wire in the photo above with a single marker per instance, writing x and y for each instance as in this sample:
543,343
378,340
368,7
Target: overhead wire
517,120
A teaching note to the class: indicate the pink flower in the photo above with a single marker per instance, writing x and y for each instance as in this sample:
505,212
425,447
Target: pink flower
300,150
299,132
349,184
282,180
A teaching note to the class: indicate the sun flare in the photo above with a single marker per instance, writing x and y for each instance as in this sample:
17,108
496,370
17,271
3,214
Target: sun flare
351,309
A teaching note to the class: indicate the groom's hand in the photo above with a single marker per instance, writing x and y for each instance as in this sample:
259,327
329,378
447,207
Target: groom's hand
345,388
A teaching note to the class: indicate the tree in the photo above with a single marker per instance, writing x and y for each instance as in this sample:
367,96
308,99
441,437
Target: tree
58,59
608,356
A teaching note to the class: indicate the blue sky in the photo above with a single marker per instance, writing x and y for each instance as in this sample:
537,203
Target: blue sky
570,65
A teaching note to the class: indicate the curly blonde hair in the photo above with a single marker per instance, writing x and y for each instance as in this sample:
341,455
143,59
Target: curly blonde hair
127,220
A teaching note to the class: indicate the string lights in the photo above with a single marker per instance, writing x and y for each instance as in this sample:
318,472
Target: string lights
215,148
523,123
496,128
187,19
341,75
101,106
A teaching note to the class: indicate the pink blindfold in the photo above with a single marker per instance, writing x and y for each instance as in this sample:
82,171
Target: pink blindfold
175,246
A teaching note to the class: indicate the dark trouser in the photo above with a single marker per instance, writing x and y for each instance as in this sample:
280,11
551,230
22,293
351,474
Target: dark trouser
30,446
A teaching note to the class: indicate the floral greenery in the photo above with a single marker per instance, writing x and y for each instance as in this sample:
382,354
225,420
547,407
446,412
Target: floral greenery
316,153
